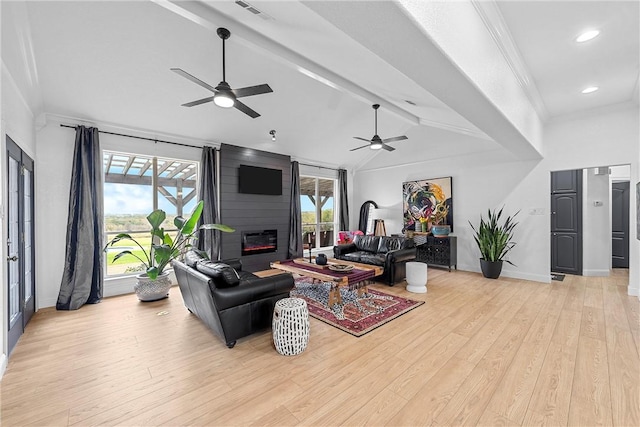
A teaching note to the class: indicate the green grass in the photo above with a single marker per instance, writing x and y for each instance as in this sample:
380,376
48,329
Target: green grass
143,238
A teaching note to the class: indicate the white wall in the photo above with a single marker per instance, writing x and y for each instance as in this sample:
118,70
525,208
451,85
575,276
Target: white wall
480,182
596,223
17,122
55,146
607,136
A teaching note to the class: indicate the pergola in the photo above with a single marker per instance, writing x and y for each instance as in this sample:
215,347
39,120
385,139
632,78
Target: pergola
325,191
138,170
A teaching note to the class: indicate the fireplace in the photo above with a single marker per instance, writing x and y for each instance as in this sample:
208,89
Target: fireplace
259,242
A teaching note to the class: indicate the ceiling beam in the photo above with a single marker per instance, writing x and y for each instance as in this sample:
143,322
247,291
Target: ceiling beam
435,60
211,19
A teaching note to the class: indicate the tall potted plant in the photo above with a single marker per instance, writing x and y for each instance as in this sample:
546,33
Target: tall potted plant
154,283
495,240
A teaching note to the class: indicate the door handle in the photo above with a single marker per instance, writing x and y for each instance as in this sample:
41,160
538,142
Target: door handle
12,258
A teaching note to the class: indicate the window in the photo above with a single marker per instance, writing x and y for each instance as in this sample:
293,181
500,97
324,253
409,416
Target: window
135,185
317,203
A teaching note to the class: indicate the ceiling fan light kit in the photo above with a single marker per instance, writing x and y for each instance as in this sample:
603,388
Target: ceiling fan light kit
377,143
224,96
224,99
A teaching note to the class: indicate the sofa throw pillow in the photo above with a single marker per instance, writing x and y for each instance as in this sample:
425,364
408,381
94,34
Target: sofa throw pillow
222,274
192,257
389,243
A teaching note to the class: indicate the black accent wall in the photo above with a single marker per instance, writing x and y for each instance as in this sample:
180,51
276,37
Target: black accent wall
253,212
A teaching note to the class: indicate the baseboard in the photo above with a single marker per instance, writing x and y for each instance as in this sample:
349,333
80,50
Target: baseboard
46,302
596,273
124,285
635,292
544,278
118,288
3,364
112,287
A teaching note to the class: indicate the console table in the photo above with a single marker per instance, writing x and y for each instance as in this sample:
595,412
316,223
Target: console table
437,251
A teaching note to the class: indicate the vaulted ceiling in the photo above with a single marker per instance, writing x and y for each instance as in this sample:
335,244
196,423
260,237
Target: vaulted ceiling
455,77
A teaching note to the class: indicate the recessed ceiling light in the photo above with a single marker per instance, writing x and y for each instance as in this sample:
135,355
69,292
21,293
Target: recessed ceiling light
590,89
587,35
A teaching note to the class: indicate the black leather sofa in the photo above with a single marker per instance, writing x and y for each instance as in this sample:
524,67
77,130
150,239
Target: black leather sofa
391,252
231,302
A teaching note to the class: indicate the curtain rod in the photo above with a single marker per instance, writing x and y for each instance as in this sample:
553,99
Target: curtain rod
316,166
137,137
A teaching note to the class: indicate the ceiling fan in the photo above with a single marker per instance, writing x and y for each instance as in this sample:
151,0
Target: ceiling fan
224,96
376,142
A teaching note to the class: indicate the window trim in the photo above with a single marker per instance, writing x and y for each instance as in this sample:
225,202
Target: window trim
155,201
318,224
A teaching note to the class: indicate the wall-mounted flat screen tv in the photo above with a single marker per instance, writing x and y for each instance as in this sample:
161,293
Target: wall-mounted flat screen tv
257,180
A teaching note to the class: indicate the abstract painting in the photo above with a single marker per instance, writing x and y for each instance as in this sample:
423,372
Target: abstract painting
429,199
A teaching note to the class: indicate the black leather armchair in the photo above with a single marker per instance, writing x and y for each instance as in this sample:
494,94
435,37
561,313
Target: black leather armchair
390,252
231,302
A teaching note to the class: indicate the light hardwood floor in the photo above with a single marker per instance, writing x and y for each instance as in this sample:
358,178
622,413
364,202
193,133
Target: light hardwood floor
479,352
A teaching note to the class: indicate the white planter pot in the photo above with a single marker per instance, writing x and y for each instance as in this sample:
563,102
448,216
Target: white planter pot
152,290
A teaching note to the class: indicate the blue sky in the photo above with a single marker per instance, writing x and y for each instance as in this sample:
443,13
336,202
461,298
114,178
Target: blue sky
307,206
137,199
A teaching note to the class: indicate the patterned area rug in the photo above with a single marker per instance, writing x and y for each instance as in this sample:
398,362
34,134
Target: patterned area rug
356,315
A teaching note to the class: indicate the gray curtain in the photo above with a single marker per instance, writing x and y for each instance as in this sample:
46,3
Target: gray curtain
209,240
82,280
295,221
344,203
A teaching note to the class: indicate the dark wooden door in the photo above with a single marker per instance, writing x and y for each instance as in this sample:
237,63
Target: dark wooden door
620,224
566,181
566,222
20,238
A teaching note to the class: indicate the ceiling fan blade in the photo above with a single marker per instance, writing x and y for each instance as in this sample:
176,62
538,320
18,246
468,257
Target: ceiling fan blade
364,146
196,80
198,102
395,138
252,90
387,147
362,139
248,111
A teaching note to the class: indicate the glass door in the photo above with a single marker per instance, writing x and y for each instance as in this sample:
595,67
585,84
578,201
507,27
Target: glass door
20,237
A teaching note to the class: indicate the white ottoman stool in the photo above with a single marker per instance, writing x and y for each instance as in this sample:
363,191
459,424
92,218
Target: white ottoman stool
417,277
290,326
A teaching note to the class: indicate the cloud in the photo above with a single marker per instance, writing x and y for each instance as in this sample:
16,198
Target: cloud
127,199
122,199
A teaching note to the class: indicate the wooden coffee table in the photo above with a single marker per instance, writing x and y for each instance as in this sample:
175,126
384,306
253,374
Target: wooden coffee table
357,279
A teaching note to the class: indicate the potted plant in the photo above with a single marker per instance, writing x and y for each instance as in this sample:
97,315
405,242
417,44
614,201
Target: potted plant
154,283
495,240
